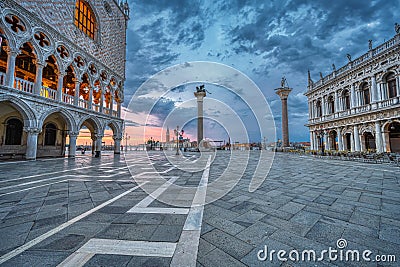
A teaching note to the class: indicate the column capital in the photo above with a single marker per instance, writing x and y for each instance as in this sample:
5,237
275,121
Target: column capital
12,52
32,130
39,63
73,134
117,137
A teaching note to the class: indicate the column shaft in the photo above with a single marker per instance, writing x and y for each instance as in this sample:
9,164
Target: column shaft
38,78
12,55
72,144
31,143
356,139
378,137
285,124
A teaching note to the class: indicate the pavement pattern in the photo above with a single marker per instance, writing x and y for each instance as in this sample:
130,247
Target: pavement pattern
94,212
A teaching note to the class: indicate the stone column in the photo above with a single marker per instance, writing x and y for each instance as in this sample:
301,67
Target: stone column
119,109
10,77
398,87
378,137
60,84
283,93
340,139
90,101
356,139
76,96
72,144
99,143
336,102
312,140
323,112
374,92
117,144
200,96
39,77
31,142
101,99
327,140
111,103
353,97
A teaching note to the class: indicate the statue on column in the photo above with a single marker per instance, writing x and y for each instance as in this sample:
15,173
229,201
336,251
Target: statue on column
283,82
397,28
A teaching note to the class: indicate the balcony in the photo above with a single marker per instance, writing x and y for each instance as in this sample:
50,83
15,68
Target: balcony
359,110
46,92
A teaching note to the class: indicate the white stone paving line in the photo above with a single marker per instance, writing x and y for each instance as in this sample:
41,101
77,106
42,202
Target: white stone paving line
59,177
46,235
183,253
186,251
156,210
154,195
118,247
49,173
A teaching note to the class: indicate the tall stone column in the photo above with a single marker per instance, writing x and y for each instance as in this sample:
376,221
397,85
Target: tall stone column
283,93
340,139
31,142
357,146
336,102
10,77
72,144
39,77
200,131
378,137
374,90
117,144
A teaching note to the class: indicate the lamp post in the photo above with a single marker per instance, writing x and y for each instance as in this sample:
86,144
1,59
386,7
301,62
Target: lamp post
178,133
127,137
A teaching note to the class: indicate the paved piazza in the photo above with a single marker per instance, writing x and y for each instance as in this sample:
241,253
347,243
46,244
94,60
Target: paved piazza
90,211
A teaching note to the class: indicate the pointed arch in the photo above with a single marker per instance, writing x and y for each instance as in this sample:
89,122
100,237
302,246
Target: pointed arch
26,112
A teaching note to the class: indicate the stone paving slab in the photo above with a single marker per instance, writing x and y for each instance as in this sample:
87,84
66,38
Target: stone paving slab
305,203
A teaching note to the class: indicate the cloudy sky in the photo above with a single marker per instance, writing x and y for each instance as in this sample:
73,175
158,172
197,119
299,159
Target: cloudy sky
262,39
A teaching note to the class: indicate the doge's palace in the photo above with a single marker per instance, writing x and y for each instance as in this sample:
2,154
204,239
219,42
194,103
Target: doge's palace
62,67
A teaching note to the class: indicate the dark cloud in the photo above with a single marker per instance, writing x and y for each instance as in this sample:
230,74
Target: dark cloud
263,39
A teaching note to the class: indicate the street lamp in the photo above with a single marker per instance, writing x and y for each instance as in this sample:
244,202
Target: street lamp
127,137
177,134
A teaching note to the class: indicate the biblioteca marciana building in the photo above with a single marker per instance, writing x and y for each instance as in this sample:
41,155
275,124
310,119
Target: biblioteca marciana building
62,67
357,107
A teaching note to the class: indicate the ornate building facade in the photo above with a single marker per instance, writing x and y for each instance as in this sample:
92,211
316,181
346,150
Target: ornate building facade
62,67
357,107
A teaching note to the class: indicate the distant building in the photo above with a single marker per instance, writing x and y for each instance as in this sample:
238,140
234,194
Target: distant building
62,67
357,107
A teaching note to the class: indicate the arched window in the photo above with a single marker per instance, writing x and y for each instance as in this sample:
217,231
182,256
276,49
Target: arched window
13,132
366,94
85,19
331,105
346,99
391,85
319,108
50,135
